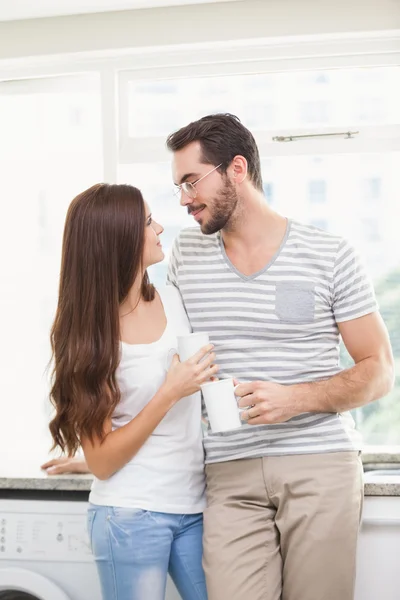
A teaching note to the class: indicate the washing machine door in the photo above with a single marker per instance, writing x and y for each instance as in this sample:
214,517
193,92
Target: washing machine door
31,585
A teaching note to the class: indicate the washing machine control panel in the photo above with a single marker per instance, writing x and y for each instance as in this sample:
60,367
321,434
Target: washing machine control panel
47,537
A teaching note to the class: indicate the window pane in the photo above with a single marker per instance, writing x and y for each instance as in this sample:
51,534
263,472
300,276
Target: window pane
317,191
268,101
50,150
351,195
155,182
355,196
328,192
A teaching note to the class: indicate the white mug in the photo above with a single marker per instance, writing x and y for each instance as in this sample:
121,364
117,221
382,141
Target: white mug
222,409
191,343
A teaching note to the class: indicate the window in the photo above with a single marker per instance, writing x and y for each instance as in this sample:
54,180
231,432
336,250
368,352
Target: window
50,150
297,175
265,101
322,78
269,192
343,214
371,230
155,182
320,224
372,189
317,191
60,135
370,109
314,112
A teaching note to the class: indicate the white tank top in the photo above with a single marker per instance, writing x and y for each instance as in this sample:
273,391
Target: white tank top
167,474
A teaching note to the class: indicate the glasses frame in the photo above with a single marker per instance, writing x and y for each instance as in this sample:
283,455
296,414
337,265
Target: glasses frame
189,188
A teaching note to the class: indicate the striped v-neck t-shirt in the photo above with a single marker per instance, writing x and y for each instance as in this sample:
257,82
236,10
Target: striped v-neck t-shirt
278,325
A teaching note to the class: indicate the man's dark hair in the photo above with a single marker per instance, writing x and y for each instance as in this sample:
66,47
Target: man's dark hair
222,137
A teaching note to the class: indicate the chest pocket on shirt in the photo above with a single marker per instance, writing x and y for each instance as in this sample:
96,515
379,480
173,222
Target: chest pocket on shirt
295,301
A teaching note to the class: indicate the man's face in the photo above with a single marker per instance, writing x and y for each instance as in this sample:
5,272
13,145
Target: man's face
215,196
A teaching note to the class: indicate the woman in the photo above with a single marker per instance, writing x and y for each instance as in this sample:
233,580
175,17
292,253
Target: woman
120,392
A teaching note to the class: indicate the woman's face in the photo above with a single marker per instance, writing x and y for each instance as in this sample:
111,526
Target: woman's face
152,252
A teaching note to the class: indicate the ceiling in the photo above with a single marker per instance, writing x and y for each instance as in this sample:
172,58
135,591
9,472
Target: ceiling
11,10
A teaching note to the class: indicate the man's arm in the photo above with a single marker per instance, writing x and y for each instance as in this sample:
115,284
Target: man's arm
372,377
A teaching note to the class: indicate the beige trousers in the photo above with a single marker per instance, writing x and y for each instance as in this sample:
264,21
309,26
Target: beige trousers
283,527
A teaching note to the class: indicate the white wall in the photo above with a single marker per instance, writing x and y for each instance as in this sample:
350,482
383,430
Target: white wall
197,23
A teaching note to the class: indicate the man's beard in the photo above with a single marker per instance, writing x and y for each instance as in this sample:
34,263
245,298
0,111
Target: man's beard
223,207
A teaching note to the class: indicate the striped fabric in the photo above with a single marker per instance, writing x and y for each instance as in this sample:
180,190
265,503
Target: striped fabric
279,324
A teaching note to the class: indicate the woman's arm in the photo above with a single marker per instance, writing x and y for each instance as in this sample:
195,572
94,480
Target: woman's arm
65,464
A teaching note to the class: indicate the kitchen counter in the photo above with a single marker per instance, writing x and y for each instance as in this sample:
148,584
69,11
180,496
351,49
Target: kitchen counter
39,480
25,478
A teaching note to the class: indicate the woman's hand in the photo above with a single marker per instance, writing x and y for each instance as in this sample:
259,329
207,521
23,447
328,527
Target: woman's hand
66,464
184,379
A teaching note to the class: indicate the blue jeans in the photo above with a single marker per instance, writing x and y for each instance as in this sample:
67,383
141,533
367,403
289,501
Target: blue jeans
134,550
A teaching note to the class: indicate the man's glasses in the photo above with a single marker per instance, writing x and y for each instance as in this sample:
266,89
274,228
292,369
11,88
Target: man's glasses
189,188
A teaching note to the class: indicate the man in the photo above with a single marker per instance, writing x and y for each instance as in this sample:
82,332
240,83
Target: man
285,491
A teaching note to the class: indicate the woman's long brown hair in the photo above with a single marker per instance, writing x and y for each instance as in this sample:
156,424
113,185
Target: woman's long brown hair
101,257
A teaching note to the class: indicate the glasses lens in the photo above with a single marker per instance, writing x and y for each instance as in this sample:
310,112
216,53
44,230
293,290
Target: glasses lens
189,189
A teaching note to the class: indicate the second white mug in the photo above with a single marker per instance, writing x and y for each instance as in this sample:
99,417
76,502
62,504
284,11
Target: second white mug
222,409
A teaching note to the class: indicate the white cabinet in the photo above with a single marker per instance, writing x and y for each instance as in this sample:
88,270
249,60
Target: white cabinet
378,565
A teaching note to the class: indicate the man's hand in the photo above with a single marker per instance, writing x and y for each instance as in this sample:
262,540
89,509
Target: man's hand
269,402
65,464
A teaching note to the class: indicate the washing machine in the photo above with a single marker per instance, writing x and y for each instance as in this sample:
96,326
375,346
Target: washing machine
45,553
